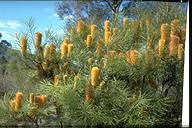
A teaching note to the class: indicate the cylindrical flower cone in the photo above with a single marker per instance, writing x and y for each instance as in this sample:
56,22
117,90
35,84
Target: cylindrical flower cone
107,25
125,23
174,27
46,51
161,47
95,76
115,30
164,30
52,50
89,41
180,51
173,45
133,56
38,101
64,50
12,105
90,61
93,30
128,53
70,48
38,38
18,100
56,80
107,38
88,94
66,40
31,98
23,43
80,25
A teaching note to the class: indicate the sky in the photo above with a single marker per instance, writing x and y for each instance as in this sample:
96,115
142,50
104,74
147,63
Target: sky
13,14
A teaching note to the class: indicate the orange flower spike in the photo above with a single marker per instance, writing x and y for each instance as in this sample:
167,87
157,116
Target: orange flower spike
89,40
173,45
43,99
161,46
80,25
12,105
63,50
88,94
174,27
107,25
23,43
128,53
38,39
133,56
18,100
94,76
180,51
107,38
164,31
38,101
93,30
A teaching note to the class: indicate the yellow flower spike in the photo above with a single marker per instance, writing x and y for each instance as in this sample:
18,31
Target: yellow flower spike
125,23
180,51
46,51
107,25
161,47
52,50
173,45
18,100
115,30
80,25
31,98
94,76
174,27
63,50
12,104
111,54
164,30
38,38
70,48
107,38
23,43
133,56
89,40
88,93
56,80
66,40
90,61
93,30
45,66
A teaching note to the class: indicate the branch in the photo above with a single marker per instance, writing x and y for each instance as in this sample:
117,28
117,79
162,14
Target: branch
110,5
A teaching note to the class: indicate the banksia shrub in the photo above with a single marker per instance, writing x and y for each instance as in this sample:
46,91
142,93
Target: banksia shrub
93,30
18,100
23,43
89,40
38,38
161,47
164,31
80,26
174,41
95,72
